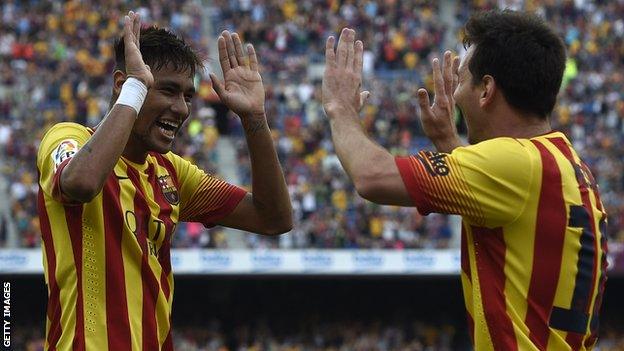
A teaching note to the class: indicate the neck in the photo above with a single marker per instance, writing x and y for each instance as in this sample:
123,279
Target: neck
134,151
515,124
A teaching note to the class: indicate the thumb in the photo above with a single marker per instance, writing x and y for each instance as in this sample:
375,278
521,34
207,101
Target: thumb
217,85
424,103
423,98
364,98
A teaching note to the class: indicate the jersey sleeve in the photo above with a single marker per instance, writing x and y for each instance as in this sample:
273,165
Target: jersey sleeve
57,148
486,183
203,197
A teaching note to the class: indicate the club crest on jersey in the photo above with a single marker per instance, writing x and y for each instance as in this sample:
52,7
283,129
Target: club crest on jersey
169,190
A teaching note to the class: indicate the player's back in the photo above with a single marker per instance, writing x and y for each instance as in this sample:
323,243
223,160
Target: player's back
536,281
533,245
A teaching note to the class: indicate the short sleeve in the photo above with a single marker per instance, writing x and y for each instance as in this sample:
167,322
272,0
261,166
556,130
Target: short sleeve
486,183
58,146
203,197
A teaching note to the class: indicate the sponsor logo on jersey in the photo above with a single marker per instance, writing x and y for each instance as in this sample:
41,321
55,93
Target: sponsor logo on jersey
434,162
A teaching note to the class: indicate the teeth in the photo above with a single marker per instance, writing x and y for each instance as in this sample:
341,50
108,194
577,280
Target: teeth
169,133
171,124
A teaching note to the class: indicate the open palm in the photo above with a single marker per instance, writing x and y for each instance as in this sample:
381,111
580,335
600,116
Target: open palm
242,90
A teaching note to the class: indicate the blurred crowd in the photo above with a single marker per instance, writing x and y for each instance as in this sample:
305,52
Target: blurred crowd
344,336
72,57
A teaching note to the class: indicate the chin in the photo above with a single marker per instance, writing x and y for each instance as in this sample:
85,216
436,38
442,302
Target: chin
160,148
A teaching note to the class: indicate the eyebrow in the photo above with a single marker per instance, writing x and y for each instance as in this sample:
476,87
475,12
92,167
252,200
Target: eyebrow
175,85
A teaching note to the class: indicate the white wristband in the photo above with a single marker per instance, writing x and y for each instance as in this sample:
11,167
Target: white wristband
133,93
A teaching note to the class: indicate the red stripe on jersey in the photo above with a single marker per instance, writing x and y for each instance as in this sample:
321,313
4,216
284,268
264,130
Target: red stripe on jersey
490,258
150,285
412,184
550,228
470,327
54,301
168,343
234,197
73,218
465,260
117,322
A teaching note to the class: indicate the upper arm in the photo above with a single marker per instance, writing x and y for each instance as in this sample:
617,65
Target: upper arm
247,217
485,183
58,146
203,197
381,182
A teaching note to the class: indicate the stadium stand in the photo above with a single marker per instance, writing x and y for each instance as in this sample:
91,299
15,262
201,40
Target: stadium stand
73,58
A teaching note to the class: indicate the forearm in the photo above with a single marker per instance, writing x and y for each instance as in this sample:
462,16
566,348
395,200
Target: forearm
447,145
85,175
359,155
270,194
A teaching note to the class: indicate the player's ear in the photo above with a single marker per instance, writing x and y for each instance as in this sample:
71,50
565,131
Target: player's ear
488,90
119,78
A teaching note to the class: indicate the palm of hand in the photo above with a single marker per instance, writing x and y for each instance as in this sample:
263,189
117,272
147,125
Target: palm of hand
244,91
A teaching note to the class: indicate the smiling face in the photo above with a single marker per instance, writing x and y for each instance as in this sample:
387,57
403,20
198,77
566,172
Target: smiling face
166,107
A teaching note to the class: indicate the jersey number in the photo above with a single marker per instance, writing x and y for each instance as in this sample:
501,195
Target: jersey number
576,318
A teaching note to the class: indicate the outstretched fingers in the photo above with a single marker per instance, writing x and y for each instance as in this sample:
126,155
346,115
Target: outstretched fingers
359,57
238,47
136,27
224,59
350,49
127,33
438,83
341,50
455,69
231,51
253,58
330,54
448,73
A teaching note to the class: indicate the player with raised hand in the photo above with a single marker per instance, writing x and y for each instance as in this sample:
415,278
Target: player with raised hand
111,196
533,262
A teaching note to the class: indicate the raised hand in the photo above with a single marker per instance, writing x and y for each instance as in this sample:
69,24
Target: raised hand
438,120
242,91
342,78
135,66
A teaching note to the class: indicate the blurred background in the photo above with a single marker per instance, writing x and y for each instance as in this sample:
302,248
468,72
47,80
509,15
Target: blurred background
351,275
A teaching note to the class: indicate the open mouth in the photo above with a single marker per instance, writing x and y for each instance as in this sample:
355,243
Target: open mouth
167,128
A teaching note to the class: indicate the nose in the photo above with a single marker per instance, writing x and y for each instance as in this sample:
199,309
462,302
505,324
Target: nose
180,107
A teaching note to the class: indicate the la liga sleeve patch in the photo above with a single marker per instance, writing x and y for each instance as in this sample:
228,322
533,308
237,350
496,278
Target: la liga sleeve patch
65,150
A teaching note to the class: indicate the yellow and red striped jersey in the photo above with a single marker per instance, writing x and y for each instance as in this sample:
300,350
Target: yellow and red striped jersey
533,254
107,262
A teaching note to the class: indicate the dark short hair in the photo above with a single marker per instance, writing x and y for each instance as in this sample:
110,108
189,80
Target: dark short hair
524,55
160,47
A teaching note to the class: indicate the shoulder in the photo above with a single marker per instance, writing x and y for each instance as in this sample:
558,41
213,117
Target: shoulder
500,157
66,127
501,150
64,136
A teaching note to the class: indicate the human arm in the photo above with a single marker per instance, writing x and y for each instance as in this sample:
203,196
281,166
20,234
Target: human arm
371,168
83,177
267,209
